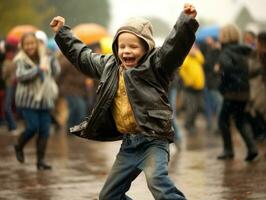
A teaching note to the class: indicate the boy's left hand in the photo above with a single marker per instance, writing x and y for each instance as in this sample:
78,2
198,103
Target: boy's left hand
190,10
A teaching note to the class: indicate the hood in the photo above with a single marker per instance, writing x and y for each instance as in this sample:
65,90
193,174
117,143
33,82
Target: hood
238,48
140,27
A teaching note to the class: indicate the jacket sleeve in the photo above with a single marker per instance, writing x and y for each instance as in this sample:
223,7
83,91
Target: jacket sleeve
177,45
80,55
26,73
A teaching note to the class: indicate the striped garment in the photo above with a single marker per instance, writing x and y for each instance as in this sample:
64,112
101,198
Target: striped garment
30,82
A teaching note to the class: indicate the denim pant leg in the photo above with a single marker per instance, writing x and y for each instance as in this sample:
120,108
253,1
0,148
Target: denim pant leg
31,120
45,123
155,166
9,115
123,172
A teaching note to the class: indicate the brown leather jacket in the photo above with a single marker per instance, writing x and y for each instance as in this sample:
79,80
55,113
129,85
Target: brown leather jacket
147,84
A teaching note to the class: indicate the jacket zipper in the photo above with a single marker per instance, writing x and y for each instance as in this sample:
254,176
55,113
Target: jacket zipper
129,99
96,111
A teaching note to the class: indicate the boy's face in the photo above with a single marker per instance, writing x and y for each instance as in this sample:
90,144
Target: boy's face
130,49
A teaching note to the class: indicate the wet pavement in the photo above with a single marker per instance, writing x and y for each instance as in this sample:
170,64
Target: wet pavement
80,168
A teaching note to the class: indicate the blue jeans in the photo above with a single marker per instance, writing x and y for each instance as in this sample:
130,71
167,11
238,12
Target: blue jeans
141,153
213,104
37,121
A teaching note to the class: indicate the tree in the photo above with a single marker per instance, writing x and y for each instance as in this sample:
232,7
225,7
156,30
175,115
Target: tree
82,11
16,12
39,13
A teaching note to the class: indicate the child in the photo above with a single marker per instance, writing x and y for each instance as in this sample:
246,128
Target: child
132,99
35,95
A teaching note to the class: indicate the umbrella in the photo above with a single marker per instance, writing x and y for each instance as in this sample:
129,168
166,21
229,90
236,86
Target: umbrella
206,31
90,32
17,31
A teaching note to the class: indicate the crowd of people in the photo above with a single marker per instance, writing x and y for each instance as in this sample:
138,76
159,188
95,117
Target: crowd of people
31,96
223,79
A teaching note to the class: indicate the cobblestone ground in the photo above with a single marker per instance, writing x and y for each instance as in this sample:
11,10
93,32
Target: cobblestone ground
80,168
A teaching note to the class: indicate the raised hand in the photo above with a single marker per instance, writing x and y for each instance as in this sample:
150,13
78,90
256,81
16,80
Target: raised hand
190,10
57,23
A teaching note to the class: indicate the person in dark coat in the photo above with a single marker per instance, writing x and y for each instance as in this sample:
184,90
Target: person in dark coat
234,86
132,99
257,75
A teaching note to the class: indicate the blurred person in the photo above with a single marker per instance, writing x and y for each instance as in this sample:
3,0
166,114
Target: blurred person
59,111
192,75
91,87
132,99
2,82
9,76
233,68
257,73
212,97
72,89
249,38
173,102
35,95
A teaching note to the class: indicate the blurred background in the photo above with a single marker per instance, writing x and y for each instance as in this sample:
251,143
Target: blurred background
111,13
81,166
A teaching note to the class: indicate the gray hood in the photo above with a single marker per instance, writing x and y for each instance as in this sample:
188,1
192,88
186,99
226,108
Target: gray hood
140,27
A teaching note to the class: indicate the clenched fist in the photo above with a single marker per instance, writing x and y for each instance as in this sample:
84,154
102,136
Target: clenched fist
57,23
190,10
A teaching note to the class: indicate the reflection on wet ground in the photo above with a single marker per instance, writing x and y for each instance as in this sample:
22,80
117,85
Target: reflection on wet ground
81,166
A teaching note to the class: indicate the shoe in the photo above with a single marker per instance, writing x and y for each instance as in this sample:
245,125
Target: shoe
41,149
225,156
43,166
19,154
251,156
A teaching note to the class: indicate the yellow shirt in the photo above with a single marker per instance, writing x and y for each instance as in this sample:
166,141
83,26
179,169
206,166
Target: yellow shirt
122,111
192,72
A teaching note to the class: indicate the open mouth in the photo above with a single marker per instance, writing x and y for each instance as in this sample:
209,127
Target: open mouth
129,61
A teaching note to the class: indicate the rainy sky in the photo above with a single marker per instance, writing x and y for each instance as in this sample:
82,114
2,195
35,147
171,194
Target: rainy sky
219,11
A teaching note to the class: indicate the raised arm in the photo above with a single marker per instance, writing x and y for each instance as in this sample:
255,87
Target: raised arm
76,52
179,42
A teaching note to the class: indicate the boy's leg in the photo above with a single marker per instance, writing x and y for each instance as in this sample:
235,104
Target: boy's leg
123,172
155,161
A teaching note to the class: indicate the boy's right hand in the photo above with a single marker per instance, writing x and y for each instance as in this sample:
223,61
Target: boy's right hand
57,23
190,10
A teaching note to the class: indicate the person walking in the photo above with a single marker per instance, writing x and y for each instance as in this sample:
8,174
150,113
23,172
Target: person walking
8,75
132,99
192,75
35,95
257,74
233,67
